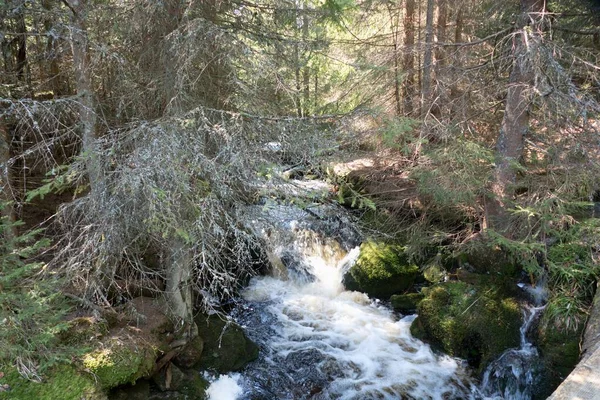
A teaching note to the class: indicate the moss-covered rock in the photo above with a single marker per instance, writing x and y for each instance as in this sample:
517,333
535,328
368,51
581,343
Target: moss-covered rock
64,382
406,303
484,257
381,270
194,387
119,361
475,323
226,347
559,353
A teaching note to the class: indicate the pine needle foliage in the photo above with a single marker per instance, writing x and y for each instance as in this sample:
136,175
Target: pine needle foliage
31,306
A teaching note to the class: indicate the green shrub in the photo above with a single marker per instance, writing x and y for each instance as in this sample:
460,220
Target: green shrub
31,307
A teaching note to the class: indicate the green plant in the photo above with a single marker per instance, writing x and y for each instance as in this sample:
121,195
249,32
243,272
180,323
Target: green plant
398,134
31,307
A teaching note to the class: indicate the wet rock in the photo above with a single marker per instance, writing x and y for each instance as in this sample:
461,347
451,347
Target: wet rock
226,347
406,303
169,378
476,323
191,354
381,270
194,386
139,391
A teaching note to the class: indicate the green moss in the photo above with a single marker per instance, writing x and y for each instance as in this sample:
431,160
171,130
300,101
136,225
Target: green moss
117,364
381,270
194,387
406,303
83,330
559,352
475,323
226,347
484,258
64,382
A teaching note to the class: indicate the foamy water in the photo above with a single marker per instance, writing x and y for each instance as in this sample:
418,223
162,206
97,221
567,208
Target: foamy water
364,352
225,387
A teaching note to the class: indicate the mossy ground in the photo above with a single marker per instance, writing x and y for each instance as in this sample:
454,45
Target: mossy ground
381,270
473,322
64,382
118,363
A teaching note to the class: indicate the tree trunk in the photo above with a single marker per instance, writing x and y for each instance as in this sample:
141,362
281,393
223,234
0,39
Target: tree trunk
396,58
51,55
515,123
21,47
441,33
306,69
83,75
458,104
427,60
179,289
409,58
6,207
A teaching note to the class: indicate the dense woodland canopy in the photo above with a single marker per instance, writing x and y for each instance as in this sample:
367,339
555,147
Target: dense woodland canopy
134,133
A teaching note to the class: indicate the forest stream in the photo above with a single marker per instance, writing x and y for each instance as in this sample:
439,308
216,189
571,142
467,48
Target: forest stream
320,341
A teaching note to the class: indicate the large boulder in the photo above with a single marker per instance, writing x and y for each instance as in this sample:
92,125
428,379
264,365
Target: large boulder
476,323
226,347
381,270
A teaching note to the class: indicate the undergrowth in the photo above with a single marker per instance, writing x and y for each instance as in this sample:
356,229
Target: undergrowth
31,306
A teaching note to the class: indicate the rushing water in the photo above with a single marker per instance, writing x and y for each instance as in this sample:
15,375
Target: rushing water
320,342
514,375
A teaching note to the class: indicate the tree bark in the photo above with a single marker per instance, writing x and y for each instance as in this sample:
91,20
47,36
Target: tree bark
515,123
438,95
442,21
21,47
458,104
83,75
6,207
306,69
427,60
396,61
51,55
179,289
409,58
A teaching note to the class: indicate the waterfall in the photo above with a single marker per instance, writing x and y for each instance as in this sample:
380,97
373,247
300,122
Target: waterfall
319,341
515,373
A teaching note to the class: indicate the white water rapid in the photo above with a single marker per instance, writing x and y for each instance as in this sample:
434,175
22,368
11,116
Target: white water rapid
319,341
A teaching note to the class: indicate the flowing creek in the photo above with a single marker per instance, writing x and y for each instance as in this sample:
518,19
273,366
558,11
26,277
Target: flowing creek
320,342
